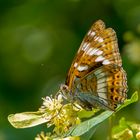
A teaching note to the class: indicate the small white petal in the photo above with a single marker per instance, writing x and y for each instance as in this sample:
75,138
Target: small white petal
60,97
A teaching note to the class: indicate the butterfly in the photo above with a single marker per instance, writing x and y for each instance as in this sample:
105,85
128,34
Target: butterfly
96,77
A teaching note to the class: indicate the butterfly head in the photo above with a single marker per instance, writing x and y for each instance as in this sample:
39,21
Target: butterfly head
64,89
65,92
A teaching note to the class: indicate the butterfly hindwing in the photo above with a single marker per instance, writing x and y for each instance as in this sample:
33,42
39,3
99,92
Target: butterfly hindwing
107,83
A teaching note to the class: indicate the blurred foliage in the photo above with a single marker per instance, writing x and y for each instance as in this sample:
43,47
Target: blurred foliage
38,40
126,130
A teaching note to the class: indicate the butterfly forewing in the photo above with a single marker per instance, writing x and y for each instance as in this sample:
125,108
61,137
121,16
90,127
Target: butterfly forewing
97,69
98,48
97,27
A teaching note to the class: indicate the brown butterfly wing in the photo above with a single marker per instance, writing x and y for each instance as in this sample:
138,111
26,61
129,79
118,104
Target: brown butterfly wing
97,69
99,47
107,83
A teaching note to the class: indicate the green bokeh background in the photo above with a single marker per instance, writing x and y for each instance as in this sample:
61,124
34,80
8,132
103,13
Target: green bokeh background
38,40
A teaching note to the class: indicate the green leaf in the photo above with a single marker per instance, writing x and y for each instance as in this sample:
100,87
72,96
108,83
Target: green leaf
88,135
134,98
87,114
92,123
27,119
87,125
